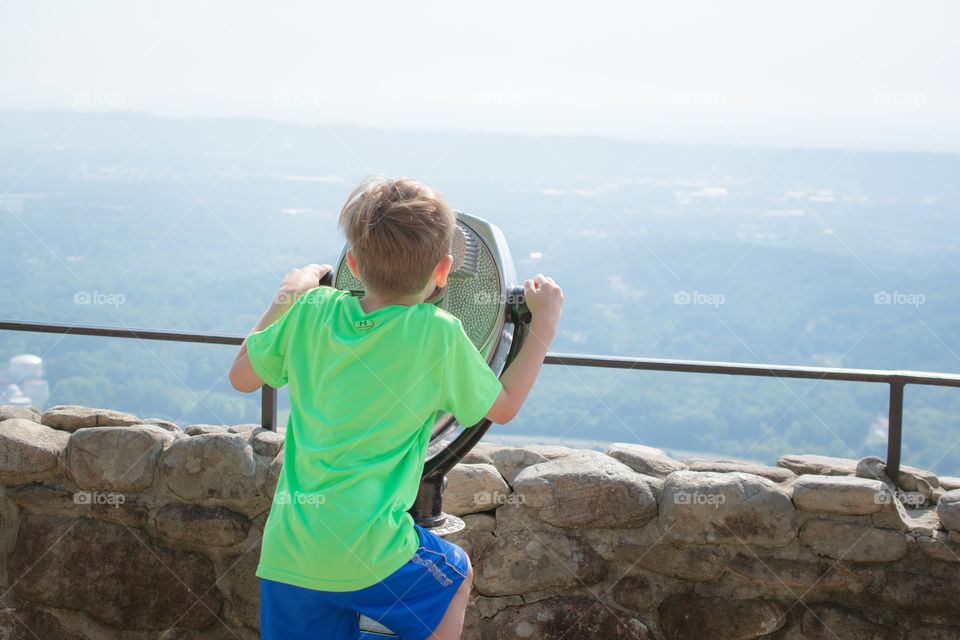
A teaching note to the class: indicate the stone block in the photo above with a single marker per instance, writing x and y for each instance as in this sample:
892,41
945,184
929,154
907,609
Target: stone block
940,547
646,460
633,593
949,483
204,429
70,417
566,618
725,508
29,451
687,562
44,500
216,465
918,592
586,489
801,576
524,561
777,474
473,488
687,616
115,574
818,465
265,442
853,542
948,509
32,623
483,452
933,632
839,494
510,461
115,459
210,526
9,411
830,621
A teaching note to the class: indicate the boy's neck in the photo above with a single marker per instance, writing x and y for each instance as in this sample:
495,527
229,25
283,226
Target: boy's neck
371,301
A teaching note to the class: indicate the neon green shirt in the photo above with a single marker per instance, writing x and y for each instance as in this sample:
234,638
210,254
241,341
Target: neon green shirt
365,390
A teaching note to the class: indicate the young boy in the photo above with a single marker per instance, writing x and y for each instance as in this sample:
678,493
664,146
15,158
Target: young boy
367,377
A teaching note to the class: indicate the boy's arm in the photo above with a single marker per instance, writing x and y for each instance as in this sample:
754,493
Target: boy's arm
242,376
544,299
295,283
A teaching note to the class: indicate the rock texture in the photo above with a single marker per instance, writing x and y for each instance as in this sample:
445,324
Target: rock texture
689,616
777,474
725,508
115,459
633,593
72,417
566,617
113,527
212,526
30,623
8,411
818,465
824,622
855,542
839,494
646,460
29,451
586,489
948,508
520,562
474,487
510,461
139,585
215,465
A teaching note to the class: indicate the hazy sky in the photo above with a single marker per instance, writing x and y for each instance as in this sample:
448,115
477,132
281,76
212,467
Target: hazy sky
836,74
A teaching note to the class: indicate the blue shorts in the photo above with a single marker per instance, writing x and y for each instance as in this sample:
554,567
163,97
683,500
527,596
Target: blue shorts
411,601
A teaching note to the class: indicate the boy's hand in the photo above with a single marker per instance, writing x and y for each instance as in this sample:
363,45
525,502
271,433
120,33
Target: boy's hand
299,281
544,299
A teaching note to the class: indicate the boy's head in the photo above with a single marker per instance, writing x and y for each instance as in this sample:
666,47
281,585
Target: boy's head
398,231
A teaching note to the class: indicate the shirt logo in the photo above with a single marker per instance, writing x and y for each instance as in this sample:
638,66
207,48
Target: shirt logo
363,325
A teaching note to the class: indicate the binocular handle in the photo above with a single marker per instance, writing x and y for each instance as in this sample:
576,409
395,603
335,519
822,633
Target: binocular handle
517,305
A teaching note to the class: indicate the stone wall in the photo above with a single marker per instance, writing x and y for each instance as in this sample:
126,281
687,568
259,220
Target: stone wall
117,527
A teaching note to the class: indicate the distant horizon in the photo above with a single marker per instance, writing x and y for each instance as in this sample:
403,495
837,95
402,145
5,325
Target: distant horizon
858,75
497,132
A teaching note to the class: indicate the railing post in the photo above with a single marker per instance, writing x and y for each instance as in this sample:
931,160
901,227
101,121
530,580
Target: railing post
268,408
894,429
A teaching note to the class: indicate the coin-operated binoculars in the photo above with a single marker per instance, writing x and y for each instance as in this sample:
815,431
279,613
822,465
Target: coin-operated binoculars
482,291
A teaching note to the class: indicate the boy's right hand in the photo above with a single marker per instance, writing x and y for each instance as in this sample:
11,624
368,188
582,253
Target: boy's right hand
544,299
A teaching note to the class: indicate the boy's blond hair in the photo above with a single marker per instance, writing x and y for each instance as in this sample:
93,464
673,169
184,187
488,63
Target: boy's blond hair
398,230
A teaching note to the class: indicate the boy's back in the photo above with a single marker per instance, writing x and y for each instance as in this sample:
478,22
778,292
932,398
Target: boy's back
367,379
365,389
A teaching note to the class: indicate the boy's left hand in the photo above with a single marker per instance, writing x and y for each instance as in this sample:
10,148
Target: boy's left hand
299,281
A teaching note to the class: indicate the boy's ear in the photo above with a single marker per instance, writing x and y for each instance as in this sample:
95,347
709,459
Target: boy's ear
352,264
442,270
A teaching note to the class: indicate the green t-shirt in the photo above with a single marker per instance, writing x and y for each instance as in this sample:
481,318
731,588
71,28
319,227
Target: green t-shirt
365,390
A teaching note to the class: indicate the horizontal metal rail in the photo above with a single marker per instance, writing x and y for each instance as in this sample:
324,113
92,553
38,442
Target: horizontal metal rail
895,379
767,370
114,332
268,395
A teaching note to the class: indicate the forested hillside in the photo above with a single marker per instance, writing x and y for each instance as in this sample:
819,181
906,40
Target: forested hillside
828,257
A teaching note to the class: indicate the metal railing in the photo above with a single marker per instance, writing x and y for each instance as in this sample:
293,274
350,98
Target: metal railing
896,379
268,395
